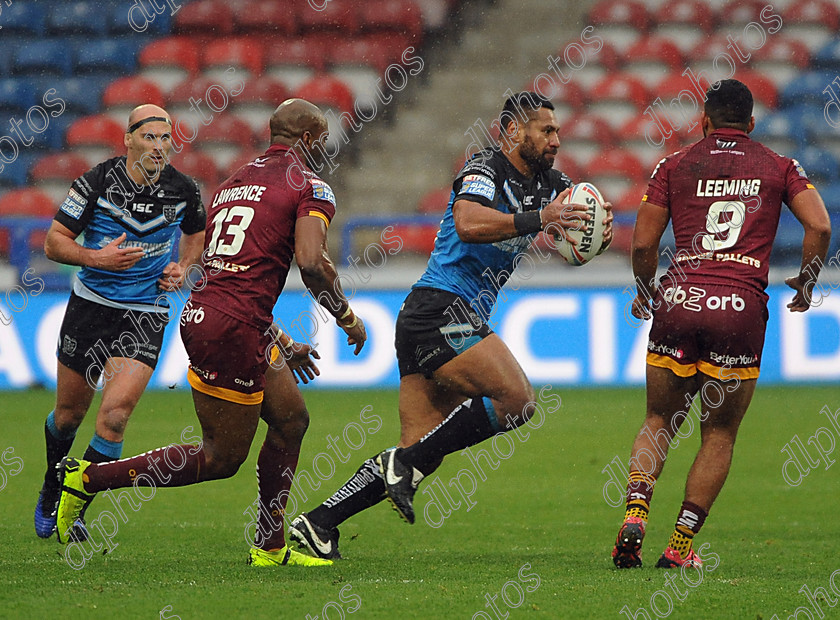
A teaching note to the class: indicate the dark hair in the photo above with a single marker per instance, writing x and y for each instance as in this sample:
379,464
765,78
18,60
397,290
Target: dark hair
729,103
522,105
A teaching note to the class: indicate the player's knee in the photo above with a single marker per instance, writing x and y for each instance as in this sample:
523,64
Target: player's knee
68,419
114,420
519,408
222,467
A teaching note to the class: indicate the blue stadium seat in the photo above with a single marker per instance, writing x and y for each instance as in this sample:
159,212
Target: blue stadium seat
118,22
106,56
83,95
14,173
23,18
781,125
807,89
77,18
39,57
820,165
831,197
53,137
828,56
787,247
16,95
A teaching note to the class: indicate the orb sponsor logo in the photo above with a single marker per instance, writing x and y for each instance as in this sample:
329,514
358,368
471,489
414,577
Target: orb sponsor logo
697,299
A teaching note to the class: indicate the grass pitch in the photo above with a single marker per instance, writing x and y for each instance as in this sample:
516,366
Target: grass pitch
534,543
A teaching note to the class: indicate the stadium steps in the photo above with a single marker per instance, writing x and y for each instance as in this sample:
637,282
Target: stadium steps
400,161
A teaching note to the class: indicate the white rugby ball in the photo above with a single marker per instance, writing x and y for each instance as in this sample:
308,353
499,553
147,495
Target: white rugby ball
590,236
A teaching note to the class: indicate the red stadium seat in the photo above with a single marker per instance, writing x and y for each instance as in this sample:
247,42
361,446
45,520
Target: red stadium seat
617,98
651,58
614,171
631,199
64,167
335,16
201,167
619,22
399,15
781,59
641,134
631,12
327,90
132,91
764,91
27,202
258,100
585,135
169,61
239,53
97,130
416,238
695,14
206,17
564,163
374,51
740,11
171,52
295,61
265,16
225,129
435,201
812,22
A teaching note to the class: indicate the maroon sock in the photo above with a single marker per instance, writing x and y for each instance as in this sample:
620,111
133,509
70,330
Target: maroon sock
275,472
172,466
691,516
640,487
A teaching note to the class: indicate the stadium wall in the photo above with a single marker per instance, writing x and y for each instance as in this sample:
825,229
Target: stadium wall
569,337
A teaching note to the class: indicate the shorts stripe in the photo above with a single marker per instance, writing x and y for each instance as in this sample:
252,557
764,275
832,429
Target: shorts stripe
223,393
662,361
716,371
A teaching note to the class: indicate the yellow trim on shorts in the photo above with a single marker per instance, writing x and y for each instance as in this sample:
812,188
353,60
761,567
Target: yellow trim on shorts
275,353
321,215
717,371
223,393
663,361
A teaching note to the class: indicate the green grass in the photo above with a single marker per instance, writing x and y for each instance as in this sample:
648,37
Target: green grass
184,550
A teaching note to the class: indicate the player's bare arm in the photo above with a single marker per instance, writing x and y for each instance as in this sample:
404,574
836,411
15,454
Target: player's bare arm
319,276
189,251
651,222
61,247
809,209
476,223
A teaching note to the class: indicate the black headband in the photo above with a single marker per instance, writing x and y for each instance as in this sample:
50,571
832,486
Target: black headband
148,119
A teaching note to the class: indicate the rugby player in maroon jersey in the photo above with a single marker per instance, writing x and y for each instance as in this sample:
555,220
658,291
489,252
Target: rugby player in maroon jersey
723,195
267,211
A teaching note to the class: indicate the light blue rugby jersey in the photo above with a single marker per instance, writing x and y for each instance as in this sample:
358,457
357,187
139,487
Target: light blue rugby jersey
103,205
476,271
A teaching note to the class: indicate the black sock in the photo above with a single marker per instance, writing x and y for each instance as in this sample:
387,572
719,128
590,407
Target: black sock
57,449
468,424
364,489
95,456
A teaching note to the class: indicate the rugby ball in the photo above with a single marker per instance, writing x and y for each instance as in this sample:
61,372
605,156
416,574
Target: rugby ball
590,235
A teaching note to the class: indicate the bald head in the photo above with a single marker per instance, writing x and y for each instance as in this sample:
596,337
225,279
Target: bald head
293,118
147,111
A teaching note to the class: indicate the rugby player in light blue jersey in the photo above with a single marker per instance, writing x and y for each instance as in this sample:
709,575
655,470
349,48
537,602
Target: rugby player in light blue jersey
459,383
130,210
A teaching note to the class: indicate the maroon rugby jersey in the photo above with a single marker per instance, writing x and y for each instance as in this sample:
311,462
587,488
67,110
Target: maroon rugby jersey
725,195
250,236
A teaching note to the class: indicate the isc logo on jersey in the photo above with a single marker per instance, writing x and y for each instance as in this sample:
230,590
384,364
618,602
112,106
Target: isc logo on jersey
478,185
696,299
322,191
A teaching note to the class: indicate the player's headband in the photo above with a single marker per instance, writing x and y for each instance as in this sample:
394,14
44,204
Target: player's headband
148,119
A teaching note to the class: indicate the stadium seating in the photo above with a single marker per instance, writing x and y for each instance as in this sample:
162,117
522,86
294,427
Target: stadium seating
16,95
28,203
258,100
124,94
617,98
205,17
200,166
584,136
684,22
98,137
24,18
45,57
105,56
243,54
265,17
651,58
169,61
294,61
76,18
619,21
